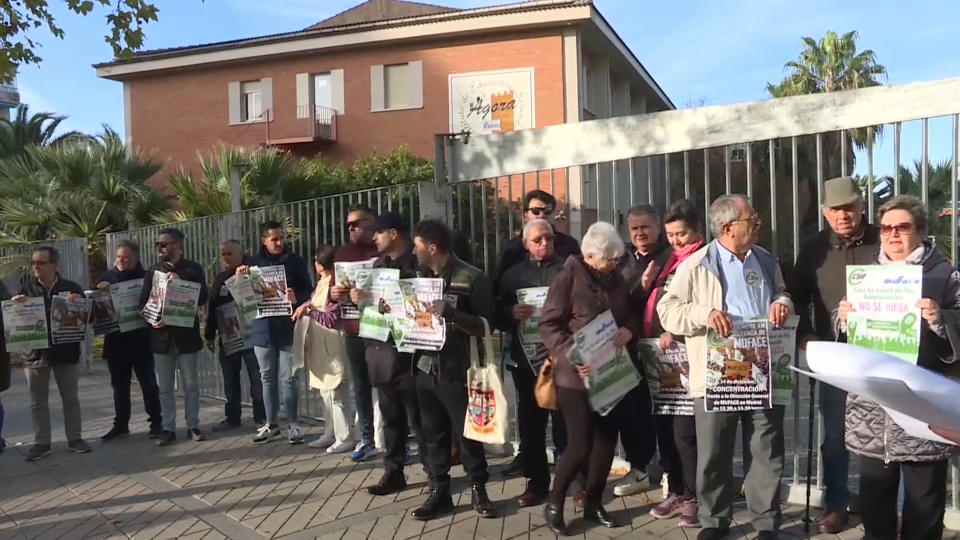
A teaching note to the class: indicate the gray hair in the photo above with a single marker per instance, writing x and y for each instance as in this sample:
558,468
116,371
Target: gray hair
130,245
724,211
529,226
602,240
232,242
643,210
911,204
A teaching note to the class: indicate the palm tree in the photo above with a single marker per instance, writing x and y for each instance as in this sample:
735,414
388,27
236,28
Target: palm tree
25,130
832,64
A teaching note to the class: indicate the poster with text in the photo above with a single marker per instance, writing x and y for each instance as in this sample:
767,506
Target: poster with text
25,325
231,327
126,302
783,354
668,374
382,303
420,327
738,368
103,317
270,286
69,319
241,289
612,373
345,275
529,329
887,318
492,101
180,303
153,309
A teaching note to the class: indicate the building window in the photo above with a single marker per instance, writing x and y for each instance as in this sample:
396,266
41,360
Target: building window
251,101
396,93
323,90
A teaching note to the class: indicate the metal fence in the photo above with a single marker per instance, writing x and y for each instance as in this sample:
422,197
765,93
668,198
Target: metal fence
777,152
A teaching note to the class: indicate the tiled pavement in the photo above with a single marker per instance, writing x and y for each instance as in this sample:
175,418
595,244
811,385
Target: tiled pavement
227,487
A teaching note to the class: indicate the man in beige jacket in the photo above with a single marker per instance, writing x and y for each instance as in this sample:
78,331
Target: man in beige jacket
729,279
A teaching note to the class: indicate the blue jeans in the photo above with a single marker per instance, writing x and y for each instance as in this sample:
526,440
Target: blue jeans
362,389
167,365
833,451
276,371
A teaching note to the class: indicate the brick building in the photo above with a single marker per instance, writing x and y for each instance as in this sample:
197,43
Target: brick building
383,74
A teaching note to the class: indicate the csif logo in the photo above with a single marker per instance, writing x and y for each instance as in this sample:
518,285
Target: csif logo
716,340
857,276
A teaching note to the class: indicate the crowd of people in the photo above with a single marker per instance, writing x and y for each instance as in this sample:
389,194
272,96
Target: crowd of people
667,283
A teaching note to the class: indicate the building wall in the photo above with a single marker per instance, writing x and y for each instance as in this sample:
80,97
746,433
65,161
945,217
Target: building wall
175,114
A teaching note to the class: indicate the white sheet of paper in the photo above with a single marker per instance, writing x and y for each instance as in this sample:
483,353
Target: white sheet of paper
913,397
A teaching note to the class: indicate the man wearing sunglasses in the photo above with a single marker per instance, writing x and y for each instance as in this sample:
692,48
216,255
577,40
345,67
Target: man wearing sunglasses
360,247
537,205
816,282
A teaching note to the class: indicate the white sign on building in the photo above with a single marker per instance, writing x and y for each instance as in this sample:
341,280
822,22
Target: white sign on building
492,101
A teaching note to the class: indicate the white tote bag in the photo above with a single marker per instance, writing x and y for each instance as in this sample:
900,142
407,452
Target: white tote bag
486,419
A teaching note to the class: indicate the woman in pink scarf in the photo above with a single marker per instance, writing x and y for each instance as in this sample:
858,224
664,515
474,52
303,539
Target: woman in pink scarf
676,435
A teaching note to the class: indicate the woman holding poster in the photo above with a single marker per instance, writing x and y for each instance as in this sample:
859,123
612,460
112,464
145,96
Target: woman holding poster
676,432
886,451
586,288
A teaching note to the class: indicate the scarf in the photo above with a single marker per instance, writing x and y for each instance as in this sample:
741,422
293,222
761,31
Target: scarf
677,257
915,257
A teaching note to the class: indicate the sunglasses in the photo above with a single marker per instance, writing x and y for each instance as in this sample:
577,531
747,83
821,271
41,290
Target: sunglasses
39,263
899,228
540,211
355,224
164,245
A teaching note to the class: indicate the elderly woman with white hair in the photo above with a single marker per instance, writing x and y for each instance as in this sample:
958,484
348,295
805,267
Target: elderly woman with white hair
585,288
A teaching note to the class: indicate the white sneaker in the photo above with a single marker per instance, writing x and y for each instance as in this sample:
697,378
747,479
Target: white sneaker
634,482
665,486
325,441
340,447
266,434
295,435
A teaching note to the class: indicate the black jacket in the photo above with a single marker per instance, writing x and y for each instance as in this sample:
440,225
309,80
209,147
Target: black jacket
514,253
5,366
186,340
633,265
219,296
818,281
68,353
473,295
385,364
130,346
278,331
528,273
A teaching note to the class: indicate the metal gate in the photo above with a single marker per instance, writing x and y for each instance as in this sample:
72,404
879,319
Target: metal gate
777,152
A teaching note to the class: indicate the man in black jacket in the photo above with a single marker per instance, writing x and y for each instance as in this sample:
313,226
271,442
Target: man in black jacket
391,371
273,336
537,204
129,352
176,347
817,283
538,270
442,376
231,257
63,361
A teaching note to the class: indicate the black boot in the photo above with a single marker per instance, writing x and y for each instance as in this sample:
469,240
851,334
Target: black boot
553,515
388,484
481,501
595,512
437,504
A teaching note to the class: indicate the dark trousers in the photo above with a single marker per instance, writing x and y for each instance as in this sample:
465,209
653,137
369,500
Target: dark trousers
532,423
362,390
592,447
925,494
443,408
633,415
401,417
121,374
677,441
231,366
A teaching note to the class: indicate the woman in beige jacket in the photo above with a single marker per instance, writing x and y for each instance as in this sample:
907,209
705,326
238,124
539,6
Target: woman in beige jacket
319,347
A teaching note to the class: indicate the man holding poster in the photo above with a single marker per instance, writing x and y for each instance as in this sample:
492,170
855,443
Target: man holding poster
727,281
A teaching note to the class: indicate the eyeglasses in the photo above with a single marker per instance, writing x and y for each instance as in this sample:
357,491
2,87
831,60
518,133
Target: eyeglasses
546,211
753,220
39,263
899,228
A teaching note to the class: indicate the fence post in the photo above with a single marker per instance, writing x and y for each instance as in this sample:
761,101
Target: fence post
437,196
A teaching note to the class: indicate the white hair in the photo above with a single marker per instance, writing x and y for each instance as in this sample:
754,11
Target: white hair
602,240
724,211
533,224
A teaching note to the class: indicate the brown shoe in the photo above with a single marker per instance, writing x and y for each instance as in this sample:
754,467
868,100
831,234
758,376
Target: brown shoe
532,496
832,521
579,498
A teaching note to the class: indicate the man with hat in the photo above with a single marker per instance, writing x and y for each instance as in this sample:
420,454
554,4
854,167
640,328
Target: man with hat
816,293
391,371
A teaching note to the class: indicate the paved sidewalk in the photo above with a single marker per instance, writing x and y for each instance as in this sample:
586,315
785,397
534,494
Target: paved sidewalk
227,487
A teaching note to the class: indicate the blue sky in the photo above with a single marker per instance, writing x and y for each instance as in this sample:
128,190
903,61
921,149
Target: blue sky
724,52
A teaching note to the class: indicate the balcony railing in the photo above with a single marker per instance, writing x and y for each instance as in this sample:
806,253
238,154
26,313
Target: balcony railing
312,123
